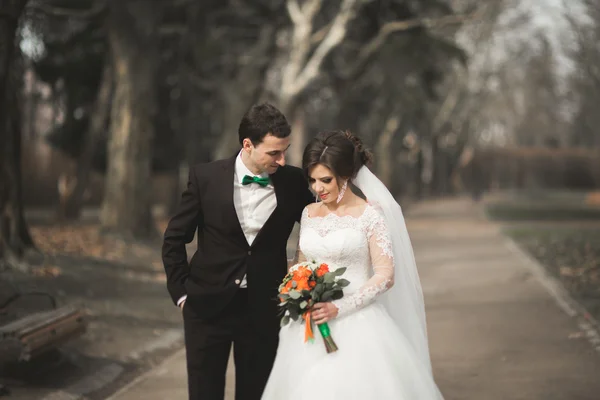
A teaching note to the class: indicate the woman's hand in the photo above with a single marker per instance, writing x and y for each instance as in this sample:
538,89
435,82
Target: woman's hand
323,312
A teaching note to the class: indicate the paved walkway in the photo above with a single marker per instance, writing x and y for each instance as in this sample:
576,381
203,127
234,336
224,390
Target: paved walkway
499,327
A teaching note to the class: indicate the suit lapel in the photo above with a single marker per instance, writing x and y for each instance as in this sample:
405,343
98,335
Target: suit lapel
230,217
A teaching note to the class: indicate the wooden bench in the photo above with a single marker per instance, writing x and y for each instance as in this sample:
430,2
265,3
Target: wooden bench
36,333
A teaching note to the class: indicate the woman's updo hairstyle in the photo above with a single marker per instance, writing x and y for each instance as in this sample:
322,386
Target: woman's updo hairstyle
343,153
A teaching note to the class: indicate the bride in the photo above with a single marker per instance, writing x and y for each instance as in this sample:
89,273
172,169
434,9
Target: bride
379,324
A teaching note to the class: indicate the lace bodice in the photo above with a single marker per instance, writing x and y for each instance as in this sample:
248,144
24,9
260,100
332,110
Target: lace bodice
361,244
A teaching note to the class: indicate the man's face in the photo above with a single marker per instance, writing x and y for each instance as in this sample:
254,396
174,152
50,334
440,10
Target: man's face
268,155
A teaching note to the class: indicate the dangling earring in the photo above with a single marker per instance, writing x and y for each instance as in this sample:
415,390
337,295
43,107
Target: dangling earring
342,192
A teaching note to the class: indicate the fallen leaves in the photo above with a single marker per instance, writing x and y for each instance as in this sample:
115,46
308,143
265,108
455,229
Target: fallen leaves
572,254
593,198
47,271
86,240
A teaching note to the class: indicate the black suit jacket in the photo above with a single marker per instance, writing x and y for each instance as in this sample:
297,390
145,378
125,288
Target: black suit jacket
223,255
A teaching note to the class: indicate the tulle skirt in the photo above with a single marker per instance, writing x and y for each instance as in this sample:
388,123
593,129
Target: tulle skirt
374,361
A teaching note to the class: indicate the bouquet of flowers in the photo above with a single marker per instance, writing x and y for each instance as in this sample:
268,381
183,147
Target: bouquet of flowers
306,284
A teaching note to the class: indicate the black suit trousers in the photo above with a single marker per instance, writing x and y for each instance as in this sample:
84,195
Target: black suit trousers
208,344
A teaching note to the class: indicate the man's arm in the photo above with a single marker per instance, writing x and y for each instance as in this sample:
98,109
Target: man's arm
179,232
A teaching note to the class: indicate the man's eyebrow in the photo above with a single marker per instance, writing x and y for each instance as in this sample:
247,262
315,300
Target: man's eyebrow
277,151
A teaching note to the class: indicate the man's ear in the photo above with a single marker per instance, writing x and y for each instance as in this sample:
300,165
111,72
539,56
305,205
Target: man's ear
247,144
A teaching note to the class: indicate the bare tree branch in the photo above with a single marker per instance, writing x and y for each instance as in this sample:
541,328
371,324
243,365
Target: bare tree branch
300,74
56,11
172,29
333,38
311,8
320,34
301,43
448,106
305,14
200,82
294,11
586,46
387,29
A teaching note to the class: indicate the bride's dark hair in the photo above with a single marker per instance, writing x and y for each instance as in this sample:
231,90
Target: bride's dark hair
342,152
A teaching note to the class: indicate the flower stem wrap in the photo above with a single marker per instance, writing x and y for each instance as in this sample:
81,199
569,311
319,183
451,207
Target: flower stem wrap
326,333
306,284
308,333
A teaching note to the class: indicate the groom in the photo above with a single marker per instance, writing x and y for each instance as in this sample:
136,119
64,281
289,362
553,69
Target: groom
243,209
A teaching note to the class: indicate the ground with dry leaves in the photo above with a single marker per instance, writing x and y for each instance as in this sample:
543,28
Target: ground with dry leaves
121,286
571,252
562,231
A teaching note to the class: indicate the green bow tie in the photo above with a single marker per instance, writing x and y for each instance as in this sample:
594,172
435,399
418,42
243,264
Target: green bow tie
256,179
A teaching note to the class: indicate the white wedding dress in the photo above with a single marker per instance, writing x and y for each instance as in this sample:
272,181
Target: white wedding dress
374,360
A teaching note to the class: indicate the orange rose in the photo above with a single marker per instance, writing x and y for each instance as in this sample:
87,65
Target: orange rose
302,284
312,284
302,274
322,270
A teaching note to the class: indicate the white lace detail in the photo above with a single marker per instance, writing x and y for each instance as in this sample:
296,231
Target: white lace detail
331,222
377,227
361,298
361,244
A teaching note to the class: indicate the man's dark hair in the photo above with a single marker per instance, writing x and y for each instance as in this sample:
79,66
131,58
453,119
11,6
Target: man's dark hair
260,120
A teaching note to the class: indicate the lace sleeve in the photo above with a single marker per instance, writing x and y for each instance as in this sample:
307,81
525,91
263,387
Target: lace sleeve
382,261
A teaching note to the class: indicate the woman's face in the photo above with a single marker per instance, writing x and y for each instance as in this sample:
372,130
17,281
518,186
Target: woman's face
324,183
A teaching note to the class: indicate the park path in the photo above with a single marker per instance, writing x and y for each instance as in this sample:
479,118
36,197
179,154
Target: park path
499,327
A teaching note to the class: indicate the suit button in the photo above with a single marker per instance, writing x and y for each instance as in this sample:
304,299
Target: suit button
237,281
249,252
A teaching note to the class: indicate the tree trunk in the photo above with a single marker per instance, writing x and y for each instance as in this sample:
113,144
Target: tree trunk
440,175
126,209
239,95
427,166
298,141
10,12
15,240
72,202
418,176
235,107
384,151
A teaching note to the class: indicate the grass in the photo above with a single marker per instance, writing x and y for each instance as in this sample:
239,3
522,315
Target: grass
562,231
542,206
525,212
571,254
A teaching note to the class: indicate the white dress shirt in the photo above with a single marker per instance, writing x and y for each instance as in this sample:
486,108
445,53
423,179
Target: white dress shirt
253,203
